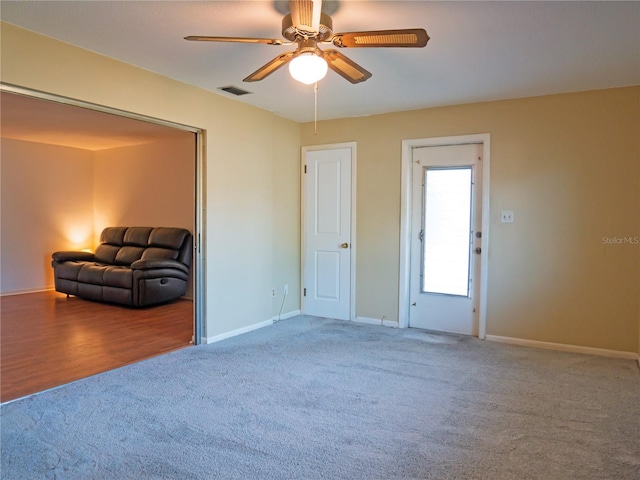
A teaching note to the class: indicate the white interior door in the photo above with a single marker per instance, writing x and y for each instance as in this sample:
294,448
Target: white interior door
327,245
445,245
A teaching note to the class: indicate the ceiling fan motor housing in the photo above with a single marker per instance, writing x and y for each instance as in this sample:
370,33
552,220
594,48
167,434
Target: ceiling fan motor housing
292,34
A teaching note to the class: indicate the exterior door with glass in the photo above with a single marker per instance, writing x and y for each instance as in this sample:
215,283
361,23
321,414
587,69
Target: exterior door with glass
446,238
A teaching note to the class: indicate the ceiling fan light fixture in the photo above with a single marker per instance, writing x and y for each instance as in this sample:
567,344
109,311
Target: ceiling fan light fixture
308,68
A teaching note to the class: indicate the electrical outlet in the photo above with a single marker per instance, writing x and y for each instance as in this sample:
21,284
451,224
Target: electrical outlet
506,216
273,292
286,289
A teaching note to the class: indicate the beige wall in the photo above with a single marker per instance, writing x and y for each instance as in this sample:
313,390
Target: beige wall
567,165
146,185
47,205
251,207
285,249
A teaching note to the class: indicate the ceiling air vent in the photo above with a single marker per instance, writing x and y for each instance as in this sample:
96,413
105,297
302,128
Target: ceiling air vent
233,90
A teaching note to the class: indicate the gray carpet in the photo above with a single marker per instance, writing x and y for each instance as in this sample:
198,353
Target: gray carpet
311,398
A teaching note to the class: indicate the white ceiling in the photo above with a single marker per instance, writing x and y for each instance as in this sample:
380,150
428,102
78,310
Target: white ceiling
479,51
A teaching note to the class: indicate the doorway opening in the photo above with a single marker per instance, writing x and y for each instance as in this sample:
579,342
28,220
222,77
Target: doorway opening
451,219
129,132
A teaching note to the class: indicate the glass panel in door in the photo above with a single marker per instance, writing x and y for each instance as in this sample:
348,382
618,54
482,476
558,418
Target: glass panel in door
446,230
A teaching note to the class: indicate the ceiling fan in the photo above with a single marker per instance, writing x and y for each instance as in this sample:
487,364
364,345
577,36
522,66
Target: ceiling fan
307,27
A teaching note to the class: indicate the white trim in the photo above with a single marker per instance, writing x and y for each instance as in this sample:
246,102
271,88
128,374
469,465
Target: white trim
239,331
376,321
562,347
24,292
284,316
303,215
249,328
405,221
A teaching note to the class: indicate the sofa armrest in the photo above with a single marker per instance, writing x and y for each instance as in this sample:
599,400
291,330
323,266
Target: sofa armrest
159,263
66,256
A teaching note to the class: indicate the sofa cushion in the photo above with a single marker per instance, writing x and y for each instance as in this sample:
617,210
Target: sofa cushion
69,270
118,277
106,275
113,235
92,273
166,237
127,255
106,253
137,236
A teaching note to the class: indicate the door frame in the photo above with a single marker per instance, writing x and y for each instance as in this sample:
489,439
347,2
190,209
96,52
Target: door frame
303,219
404,289
199,273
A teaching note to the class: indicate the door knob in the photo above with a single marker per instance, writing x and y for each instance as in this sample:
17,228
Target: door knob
478,250
345,245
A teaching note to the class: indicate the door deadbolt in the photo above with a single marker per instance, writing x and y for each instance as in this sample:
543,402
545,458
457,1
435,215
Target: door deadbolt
478,250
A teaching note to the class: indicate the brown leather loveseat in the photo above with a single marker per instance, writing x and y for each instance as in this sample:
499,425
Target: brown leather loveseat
137,266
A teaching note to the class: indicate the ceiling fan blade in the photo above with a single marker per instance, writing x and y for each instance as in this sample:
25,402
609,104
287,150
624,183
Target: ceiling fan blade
411,37
270,67
305,15
345,67
268,41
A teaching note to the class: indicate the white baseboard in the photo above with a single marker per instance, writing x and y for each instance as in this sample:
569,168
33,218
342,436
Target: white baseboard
284,316
249,328
23,292
602,352
239,331
376,321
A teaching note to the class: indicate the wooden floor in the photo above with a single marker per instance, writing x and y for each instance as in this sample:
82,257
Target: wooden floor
48,340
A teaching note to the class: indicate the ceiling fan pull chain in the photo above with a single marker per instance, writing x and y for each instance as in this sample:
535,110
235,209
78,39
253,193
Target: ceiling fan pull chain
315,109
